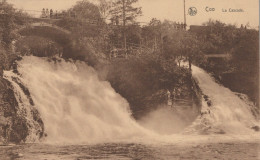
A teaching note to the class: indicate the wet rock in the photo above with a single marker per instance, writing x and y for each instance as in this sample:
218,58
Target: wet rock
209,103
25,90
15,155
220,132
205,97
13,126
256,128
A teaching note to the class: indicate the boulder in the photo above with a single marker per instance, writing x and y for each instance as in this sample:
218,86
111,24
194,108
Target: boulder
14,127
256,128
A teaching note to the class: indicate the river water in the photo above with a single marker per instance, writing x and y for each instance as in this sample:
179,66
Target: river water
232,150
85,118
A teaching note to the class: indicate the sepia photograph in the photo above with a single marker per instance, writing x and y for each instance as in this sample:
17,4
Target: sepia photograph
129,80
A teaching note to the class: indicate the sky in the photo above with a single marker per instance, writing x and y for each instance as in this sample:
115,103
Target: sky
172,10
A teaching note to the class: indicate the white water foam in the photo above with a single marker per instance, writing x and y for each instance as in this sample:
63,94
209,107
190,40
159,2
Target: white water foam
227,113
74,104
76,107
24,107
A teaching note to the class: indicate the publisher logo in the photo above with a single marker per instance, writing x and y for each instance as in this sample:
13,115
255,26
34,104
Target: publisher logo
192,11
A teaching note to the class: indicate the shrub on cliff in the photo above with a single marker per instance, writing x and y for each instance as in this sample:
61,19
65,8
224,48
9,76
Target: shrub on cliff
3,57
38,46
138,79
245,59
85,24
239,72
10,20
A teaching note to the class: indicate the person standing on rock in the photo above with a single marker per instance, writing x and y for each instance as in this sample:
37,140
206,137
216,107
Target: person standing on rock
43,13
47,13
169,100
173,97
51,13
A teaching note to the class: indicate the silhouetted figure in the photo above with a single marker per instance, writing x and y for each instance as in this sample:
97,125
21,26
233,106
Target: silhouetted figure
175,25
43,13
51,13
47,13
117,20
169,99
178,25
185,25
113,53
173,97
56,14
182,25
63,14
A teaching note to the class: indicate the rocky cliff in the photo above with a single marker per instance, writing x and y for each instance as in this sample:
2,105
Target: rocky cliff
14,126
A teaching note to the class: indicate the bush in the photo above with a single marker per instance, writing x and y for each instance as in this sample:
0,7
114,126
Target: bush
143,80
38,46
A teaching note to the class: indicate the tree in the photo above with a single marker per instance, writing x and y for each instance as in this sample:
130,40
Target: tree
88,24
38,46
86,10
143,80
123,11
7,24
133,33
104,8
87,21
217,37
245,55
189,47
152,34
10,20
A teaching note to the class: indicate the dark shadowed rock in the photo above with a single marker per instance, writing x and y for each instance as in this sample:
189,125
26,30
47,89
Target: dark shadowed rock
14,127
205,97
209,103
256,128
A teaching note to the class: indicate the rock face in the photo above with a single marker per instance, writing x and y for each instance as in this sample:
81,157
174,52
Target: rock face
14,127
197,94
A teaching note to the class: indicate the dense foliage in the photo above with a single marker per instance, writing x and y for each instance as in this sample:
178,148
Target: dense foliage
144,80
10,20
167,41
38,46
240,71
123,11
157,49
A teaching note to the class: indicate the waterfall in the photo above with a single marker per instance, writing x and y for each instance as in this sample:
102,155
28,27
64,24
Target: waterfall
74,104
76,107
227,112
34,125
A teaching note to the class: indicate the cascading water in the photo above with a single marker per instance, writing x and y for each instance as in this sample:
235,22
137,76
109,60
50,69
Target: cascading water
26,108
227,112
74,104
77,107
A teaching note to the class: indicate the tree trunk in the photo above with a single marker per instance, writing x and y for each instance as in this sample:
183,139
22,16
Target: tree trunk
124,23
190,85
190,64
